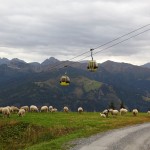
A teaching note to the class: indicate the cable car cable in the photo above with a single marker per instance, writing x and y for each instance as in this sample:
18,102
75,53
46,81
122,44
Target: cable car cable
122,41
112,45
101,45
121,36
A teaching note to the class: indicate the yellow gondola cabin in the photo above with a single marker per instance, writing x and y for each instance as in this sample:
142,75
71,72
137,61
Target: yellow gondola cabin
92,66
64,80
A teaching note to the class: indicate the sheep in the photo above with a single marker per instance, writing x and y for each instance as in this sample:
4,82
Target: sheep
135,112
21,112
102,115
123,111
66,109
54,110
14,109
50,108
10,109
80,110
106,112
44,109
114,112
26,108
1,109
6,111
148,112
110,110
34,108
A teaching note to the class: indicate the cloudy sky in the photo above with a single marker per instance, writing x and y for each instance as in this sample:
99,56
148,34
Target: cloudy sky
34,30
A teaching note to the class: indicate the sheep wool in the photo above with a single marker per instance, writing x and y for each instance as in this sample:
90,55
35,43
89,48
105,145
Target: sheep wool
80,109
50,108
148,112
34,108
103,115
135,112
123,111
44,109
6,112
21,112
54,110
106,112
66,109
1,109
26,108
114,112
14,109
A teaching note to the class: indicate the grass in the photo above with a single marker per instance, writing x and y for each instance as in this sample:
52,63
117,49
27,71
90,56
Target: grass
87,84
52,131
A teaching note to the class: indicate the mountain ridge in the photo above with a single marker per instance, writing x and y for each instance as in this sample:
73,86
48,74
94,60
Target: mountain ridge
53,60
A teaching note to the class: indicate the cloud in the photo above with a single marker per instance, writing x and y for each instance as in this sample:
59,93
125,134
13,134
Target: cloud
34,30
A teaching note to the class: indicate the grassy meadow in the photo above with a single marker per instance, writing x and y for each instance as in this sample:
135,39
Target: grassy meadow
54,131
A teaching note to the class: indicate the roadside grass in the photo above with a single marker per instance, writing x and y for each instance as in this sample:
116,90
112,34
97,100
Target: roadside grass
54,131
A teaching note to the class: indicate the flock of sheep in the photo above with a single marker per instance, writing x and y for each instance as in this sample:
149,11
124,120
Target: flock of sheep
6,111
114,112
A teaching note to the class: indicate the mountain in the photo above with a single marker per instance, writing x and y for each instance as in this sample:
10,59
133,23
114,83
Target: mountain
16,60
16,63
147,65
37,84
132,83
50,61
4,61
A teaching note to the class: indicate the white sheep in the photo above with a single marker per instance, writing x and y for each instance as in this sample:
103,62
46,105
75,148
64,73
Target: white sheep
135,112
54,110
21,112
66,109
114,112
102,115
106,112
26,108
123,111
50,108
80,110
14,109
148,112
44,109
34,108
6,111
10,109
110,110
1,109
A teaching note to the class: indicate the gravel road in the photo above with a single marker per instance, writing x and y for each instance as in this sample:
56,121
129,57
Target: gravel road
130,138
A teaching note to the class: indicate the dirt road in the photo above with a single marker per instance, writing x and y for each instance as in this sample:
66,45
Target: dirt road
129,138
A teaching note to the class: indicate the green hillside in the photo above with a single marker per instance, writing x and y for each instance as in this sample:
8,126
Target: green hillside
54,131
112,83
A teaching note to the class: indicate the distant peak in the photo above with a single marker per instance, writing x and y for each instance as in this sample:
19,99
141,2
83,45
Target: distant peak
17,60
147,65
53,59
50,60
4,58
4,61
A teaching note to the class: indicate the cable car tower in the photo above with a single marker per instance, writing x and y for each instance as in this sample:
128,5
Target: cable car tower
92,65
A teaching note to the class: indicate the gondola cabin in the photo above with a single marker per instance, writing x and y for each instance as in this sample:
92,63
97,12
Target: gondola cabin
92,66
64,80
